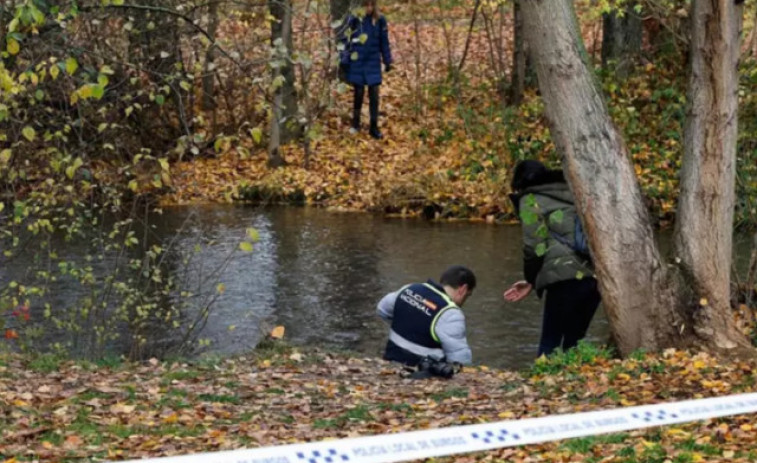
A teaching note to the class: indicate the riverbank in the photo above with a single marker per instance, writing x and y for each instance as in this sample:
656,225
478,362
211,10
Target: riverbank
68,411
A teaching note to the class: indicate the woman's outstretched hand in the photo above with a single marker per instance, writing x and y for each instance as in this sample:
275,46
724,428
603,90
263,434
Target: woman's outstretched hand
518,291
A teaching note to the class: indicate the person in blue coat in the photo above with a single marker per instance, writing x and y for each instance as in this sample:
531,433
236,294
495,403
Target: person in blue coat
366,44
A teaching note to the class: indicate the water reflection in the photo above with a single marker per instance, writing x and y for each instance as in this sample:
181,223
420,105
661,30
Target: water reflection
320,274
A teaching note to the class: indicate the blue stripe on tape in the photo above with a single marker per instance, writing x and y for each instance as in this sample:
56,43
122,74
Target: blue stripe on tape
415,445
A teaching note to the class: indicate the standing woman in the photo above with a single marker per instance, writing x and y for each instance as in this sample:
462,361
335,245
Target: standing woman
551,262
366,42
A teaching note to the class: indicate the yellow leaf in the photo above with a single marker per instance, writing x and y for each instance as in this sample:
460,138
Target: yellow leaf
164,164
746,427
506,415
698,364
86,91
13,47
133,186
2,206
729,454
29,133
5,156
172,418
245,246
221,288
278,332
253,235
703,301
71,65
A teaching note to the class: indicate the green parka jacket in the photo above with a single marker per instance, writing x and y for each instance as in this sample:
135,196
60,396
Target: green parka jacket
545,211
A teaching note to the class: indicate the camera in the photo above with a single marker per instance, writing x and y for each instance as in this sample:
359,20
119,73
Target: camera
429,366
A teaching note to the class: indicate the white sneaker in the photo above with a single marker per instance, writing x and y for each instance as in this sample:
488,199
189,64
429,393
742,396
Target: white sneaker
353,131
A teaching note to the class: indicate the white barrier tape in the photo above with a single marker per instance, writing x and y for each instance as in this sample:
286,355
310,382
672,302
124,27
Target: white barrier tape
415,445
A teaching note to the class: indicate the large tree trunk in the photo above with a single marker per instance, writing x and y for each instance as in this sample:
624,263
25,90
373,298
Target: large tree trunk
518,76
704,230
621,39
642,301
286,95
632,277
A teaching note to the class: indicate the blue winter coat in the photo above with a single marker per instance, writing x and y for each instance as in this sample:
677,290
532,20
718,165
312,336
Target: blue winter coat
363,57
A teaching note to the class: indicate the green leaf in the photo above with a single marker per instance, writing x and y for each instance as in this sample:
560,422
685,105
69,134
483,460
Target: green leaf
164,164
528,217
98,91
245,246
5,156
2,206
253,235
29,133
257,134
542,231
556,217
580,275
71,65
160,99
541,249
363,38
185,85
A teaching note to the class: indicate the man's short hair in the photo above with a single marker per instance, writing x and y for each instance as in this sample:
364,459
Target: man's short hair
456,276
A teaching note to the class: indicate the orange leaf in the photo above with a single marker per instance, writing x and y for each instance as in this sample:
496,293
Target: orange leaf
11,334
278,332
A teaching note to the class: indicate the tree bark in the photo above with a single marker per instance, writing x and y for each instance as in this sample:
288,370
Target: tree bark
518,79
339,9
621,40
286,95
704,224
284,108
208,78
633,281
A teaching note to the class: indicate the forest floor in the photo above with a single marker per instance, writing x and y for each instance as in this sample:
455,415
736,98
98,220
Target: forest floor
450,145
65,411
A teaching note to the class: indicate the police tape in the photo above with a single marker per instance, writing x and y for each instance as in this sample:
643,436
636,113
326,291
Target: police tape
386,448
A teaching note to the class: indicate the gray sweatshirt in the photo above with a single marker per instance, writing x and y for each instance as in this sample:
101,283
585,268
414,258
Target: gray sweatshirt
450,329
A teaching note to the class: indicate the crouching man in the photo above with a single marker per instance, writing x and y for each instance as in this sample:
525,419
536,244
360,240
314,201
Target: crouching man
427,320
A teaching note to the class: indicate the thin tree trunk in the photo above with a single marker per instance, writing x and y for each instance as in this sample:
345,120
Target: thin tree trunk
468,38
621,39
704,223
282,41
208,79
633,280
417,32
518,80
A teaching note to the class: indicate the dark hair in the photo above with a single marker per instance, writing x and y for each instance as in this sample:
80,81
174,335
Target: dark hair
456,276
532,173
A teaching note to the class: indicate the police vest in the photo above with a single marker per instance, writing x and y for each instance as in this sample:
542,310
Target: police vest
416,311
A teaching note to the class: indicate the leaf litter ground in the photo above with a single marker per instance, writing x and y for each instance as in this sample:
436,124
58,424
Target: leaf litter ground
72,411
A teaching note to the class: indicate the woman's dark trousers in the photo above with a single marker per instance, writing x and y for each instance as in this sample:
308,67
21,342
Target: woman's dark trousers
568,309
373,106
